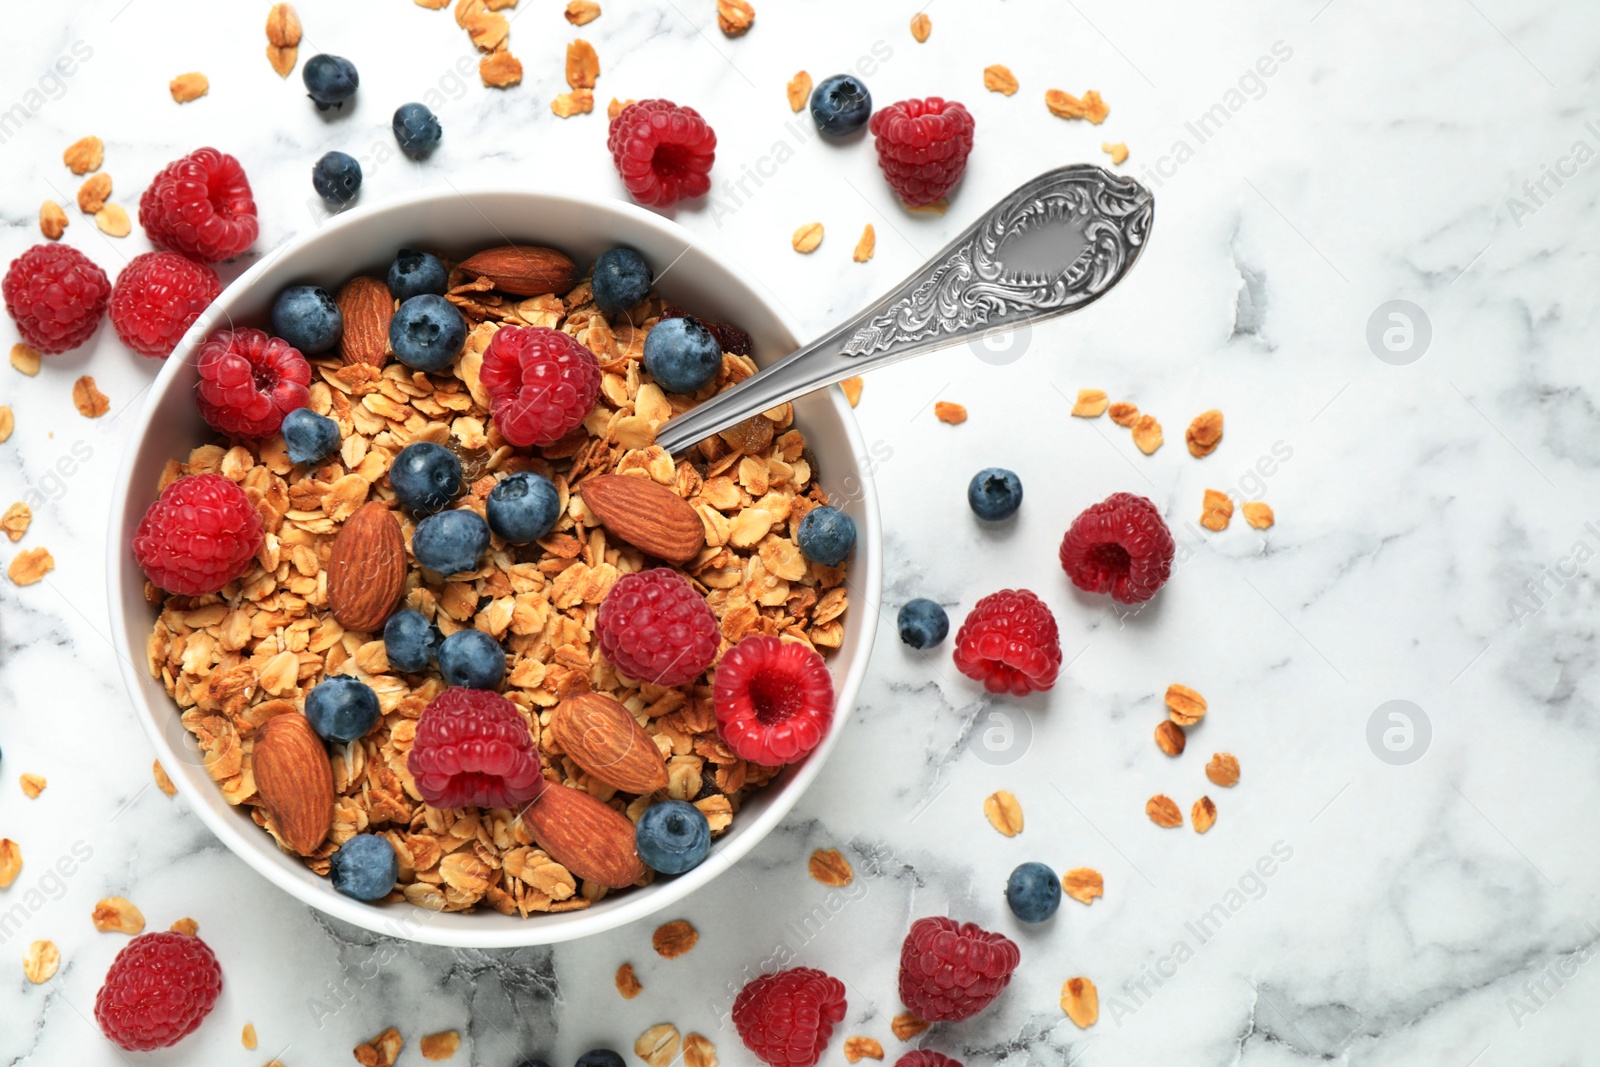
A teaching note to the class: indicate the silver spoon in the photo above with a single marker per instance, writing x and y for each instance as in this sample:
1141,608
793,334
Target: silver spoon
1055,245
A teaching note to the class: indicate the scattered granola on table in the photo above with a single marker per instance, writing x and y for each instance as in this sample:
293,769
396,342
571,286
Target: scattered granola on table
948,412
236,661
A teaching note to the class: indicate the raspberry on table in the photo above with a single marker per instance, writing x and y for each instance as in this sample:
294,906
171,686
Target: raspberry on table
655,628
159,988
923,1057
662,151
55,294
774,700
157,297
1119,546
922,147
541,383
951,971
474,749
249,382
1009,643
201,205
199,535
786,1018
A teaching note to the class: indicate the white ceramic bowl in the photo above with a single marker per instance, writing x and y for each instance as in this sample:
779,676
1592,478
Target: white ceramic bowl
365,241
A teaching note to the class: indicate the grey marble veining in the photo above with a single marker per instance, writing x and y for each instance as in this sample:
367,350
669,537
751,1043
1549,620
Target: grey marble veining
1437,530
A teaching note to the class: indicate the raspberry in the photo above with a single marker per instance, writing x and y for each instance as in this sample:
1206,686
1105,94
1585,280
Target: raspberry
159,988
1009,643
922,147
787,1018
200,205
541,383
473,749
951,971
249,382
774,700
657,629
1119,546
663,152
199,535
56,294
922,1057
158,296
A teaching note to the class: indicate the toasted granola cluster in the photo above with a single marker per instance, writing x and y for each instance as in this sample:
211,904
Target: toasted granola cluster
235,659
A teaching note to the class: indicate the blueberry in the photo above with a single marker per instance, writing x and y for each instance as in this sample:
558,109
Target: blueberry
427,332
523,507
365,867
307,317
410,641
826,535
417,130
681,355
673,836
337,178
994,493
341,708
621,279
311,438
473,660
1034,892
451,542
330,80
923,623
600,1057
841,105
414,273
426,477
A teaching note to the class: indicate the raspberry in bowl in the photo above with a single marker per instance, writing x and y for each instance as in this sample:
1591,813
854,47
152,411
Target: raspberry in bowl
528,795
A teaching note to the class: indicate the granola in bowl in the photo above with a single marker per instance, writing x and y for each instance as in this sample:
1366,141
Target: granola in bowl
235,660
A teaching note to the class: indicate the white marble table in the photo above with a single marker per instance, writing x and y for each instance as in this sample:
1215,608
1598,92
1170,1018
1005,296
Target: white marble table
1441,910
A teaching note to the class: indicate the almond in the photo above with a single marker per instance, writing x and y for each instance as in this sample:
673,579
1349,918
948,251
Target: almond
367,307
524,270
650,517
295,781
584,836
603,738
366,568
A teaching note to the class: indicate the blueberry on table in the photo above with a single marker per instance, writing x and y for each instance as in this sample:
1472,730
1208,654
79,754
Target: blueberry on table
451,542
307,317
472,659
620,280
826,535
415,273
841,105
342,708
994,494
330,80
417,129
923,623
310,438
672,837
523,507
426,477
337,178
365,867
600,1057
427,333
410,641
1034,892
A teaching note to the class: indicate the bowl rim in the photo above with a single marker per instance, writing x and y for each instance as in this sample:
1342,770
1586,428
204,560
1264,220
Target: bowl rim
412,924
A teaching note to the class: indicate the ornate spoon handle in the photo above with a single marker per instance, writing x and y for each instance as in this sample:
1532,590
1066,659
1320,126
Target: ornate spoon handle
1058,243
